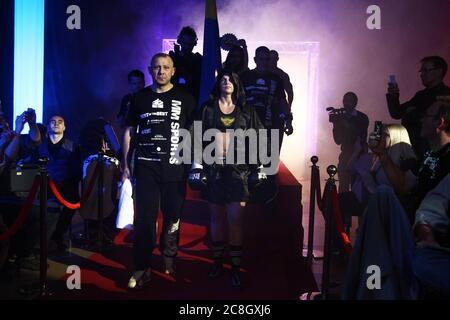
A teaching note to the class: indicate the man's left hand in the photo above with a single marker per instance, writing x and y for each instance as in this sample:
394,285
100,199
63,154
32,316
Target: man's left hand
288,129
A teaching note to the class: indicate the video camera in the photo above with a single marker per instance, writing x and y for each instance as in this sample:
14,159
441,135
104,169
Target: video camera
335,114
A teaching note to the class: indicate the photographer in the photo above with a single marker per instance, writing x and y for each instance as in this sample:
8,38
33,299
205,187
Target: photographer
20,247
348,125
33,138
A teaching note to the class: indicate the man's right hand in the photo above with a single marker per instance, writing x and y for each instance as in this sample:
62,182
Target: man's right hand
393,89
20,123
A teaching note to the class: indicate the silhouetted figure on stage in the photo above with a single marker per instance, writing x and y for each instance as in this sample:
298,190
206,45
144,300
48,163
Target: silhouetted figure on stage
188,65
347,127
432,72
287,85
237,58
264,90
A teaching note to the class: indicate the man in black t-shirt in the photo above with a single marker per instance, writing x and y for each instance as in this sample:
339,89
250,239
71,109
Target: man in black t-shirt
160,112
436,161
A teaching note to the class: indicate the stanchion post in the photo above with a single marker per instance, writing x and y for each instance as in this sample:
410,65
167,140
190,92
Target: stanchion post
100,200
312,204
43,227
331,170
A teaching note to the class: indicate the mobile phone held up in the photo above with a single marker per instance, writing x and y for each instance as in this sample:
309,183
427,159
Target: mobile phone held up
378,129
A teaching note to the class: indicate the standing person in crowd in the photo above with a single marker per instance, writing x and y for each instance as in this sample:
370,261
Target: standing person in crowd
65,169
432,73
136,82
347,127
160,111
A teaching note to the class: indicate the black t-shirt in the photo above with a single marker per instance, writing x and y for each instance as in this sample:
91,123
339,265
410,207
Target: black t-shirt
264,90
245,117
225,121
160,116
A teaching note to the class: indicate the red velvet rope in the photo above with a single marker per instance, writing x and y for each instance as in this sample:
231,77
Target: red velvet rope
67,204
339,224
61,200
24,211
321,203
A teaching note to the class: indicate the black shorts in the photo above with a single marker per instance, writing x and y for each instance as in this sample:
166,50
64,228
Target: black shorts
226,184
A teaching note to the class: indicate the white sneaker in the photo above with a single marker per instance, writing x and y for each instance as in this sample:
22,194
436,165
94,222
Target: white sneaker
139,279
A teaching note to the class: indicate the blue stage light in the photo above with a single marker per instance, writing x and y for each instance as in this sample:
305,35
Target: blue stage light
29,20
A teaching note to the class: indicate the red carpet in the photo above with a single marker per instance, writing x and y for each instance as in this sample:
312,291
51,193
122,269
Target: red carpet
272,264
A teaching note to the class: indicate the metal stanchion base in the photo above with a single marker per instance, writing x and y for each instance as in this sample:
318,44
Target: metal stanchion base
45,292
80,241
317,254
35,290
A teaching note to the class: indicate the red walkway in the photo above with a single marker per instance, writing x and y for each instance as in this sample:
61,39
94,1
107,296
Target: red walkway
272,264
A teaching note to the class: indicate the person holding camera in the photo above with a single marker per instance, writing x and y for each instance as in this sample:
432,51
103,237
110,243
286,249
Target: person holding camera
432,72
348,125
13,145
21,142
188,65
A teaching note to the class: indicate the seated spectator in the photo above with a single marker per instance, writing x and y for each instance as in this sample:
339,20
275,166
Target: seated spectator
97,136
385,238
367,170
431,262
